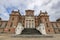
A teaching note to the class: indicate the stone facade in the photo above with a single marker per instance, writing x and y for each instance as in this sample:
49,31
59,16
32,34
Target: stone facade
29,21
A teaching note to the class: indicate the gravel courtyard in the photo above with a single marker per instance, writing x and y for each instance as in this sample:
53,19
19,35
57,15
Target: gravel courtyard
8,37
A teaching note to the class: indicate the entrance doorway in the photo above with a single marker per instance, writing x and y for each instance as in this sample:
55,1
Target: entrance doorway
29,22
30,26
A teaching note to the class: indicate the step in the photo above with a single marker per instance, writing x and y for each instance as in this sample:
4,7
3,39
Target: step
30,31
33,36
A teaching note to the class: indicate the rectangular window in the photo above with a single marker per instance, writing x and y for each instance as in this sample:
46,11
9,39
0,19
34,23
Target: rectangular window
26,25
33,25
40,21
59,30
11,24
47,24
29,24
23,21
52,25
13,18
48,30
45,19
5,24
0,25
56,25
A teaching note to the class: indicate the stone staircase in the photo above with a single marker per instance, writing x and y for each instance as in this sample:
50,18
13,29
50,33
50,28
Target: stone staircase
30,31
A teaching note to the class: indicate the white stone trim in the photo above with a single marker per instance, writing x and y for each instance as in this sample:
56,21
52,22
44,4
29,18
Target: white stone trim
19,29
41,28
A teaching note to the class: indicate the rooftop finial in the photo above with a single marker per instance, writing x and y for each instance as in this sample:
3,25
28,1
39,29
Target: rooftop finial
46,12
40,11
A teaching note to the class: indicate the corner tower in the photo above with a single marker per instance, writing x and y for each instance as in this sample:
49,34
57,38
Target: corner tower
13,21
44,18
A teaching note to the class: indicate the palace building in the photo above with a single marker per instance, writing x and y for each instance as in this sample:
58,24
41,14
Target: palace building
29,23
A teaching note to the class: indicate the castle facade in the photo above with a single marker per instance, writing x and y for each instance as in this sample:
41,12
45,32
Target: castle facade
17,23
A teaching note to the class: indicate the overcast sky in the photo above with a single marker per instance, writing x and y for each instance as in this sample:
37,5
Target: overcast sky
51,6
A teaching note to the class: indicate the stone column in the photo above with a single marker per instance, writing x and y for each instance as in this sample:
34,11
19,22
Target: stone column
28,24
25,24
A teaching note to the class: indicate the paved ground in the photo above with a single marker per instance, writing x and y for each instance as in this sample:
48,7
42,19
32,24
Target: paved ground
9,37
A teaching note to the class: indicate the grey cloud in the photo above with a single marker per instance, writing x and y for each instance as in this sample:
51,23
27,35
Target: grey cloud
56,6
22,5
56,9
44,4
